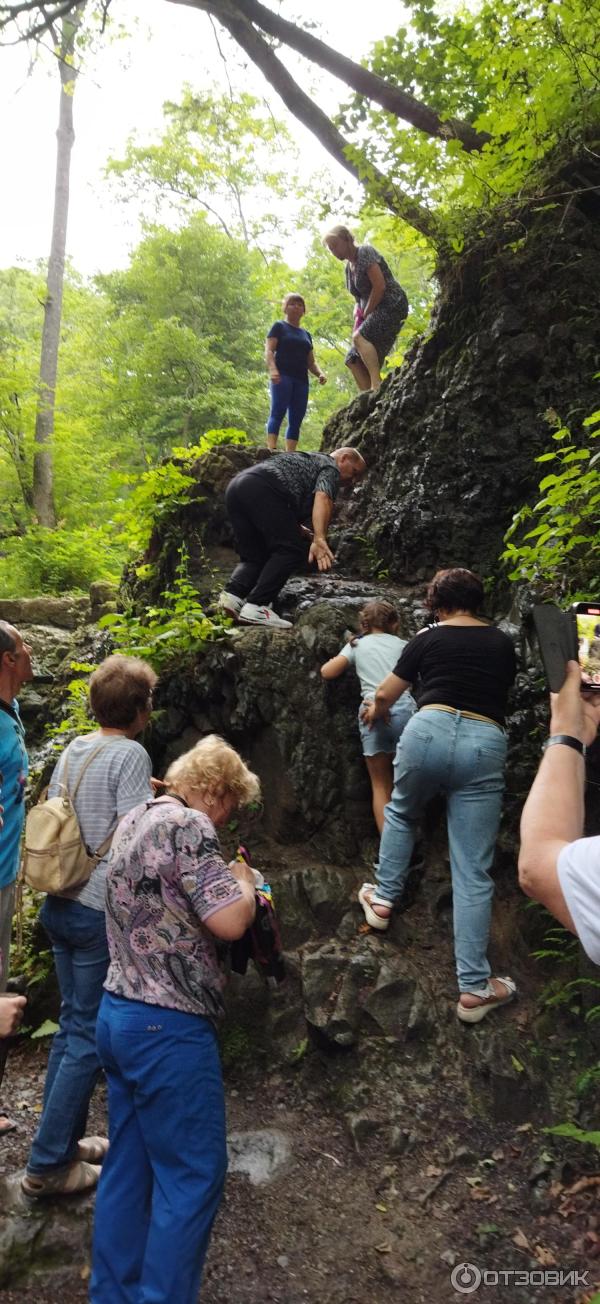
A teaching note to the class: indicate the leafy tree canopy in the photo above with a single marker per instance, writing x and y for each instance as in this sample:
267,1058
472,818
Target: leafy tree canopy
223,155
525,75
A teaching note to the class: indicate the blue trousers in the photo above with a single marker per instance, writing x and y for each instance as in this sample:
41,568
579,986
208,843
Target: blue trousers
78,936
163,1177
464,760
290,396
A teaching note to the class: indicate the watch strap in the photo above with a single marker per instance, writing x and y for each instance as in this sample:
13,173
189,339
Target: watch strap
567,741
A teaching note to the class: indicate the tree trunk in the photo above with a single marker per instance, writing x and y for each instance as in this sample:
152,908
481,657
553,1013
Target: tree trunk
43,478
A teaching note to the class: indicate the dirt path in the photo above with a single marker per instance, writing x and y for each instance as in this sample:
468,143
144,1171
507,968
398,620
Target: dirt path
350,1222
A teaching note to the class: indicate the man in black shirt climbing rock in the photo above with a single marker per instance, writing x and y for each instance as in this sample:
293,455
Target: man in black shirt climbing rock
267,504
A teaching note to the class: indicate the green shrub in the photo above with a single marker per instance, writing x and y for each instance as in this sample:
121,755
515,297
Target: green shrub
59,561
172,632
159,489
561,550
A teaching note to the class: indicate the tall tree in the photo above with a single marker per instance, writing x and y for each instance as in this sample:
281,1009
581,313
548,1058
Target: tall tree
43,478
222,155
484,91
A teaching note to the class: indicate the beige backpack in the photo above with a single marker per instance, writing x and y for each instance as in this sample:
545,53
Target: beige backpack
56,858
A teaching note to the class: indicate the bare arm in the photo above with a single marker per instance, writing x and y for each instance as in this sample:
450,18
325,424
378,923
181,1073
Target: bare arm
388,692
315,368
232,921
553,814
377,280
272,368
335,667
320,552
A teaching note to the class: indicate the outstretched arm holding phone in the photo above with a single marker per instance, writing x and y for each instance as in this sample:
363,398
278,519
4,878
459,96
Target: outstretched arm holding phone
557,866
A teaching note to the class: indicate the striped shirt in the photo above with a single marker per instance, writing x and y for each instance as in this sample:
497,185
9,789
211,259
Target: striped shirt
116,780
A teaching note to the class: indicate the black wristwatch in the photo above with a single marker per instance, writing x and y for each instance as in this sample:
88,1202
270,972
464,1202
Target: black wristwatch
567,740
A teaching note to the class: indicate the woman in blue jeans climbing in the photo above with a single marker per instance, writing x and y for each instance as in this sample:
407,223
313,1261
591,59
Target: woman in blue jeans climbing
289,356
106,773
454,745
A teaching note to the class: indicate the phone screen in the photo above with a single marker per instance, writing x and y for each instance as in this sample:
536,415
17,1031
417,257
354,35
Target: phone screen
587,616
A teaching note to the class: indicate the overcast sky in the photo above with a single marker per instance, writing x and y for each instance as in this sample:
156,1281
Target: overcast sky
123,91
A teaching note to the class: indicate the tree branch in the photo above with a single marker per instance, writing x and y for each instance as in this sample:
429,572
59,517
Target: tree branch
309,113
367,83
10,13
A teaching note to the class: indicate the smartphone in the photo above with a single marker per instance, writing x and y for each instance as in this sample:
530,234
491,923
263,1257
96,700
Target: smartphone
587,624
557,638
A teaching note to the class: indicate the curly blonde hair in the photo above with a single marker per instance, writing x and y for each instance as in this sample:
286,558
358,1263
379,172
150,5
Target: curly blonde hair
213,768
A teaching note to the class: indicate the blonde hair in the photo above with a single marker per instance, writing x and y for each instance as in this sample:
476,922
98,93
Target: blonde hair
338,232
215,768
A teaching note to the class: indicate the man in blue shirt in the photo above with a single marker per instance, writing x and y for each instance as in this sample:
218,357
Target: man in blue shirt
15,670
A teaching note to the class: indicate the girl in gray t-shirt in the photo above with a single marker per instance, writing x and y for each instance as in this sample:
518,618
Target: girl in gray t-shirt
374,653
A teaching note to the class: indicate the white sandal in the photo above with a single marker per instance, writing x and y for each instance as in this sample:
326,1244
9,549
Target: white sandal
489,1000
374,920
92,1149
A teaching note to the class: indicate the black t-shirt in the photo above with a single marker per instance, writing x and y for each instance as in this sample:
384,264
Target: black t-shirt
293,347
470,667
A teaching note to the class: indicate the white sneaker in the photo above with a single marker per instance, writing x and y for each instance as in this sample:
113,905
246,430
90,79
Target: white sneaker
230,604
250,614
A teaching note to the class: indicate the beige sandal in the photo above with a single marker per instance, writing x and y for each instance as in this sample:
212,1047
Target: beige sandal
70,1181
92,1149
365,897
488,1000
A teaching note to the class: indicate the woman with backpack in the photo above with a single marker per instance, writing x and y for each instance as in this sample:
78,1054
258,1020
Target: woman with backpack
106,773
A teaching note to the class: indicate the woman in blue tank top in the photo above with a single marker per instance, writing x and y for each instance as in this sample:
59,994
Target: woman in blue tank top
289,356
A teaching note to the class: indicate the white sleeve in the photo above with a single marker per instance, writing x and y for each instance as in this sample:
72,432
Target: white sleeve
349,653
578,869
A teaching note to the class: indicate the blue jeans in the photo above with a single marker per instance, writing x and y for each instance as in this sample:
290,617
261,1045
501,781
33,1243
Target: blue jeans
291,396
163,1177
464,760
78,936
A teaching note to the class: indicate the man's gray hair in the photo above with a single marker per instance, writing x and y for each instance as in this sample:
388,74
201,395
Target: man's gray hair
8,642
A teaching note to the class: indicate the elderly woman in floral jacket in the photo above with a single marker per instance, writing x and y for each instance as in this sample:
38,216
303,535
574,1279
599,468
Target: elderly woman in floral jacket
170,897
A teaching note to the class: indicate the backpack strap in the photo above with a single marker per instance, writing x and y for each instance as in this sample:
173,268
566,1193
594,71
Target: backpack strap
101,851
104,742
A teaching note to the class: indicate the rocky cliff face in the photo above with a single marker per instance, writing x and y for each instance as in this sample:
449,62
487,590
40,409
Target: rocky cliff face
450,443
452,437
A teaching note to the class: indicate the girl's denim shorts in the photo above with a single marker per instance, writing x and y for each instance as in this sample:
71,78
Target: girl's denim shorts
384,735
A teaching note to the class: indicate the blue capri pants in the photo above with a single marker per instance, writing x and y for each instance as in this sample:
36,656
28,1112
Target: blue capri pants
291,396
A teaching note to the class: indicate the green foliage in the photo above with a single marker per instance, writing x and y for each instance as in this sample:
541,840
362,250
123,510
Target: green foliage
46,1029
373,564
59,561
173,632
76,719
556,542
525,75
26,956
220,155
236,1046
158,490
186,335
574,1133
